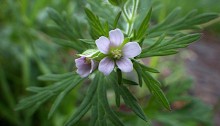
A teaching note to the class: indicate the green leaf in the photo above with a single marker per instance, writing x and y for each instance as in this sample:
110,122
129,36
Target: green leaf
55,77
131,101
129,82
60,85
168,47
101,110
144,25
116,20
55,16
106,28
119,3
64,24
156,43
32,100
113,81
171,17
35,106
88,41
139,71
145,68
66,29
119,73
159,53
90,53
94,115
61,96
97,29
43,94
153,86
174,22
103,99
35,89
85,105
68,43
202,18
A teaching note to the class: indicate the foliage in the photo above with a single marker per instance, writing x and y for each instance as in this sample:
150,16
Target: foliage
28,44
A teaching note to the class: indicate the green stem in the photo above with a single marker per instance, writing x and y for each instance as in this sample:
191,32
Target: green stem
125,14
130,20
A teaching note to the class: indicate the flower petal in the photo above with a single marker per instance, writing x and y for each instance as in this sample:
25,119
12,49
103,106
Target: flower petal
124,64
106,65
80,61
103,44
94,65
116,37
84,71
131,49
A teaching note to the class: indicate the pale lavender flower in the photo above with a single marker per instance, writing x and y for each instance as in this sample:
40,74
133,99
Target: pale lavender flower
117,52
85,66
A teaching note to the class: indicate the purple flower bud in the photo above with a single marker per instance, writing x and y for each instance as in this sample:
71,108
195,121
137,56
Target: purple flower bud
85,66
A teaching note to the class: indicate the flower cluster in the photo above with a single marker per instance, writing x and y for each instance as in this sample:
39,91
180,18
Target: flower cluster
117,52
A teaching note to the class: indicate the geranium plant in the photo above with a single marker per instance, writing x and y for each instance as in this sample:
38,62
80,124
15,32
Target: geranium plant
114,49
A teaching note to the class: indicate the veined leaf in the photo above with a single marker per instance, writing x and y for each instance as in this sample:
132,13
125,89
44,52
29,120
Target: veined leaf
116,20
55,16
202,18
35,89
69,44
101,110
60,85
143,27
103,99
85,105
156,43
65,29
113,80
168,47
97,29
129,82
94,115
55,77
62,22
146,68
33,100
43,94
88,41
174,22
119,3
172,16
131,101
153,86
139,71
158,53
61,96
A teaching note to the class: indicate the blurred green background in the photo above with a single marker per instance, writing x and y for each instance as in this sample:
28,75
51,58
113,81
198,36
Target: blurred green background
26,51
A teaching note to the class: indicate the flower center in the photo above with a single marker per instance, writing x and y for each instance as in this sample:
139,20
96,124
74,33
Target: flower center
87,60
116,53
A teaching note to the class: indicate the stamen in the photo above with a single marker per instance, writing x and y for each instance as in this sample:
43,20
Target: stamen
116,53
